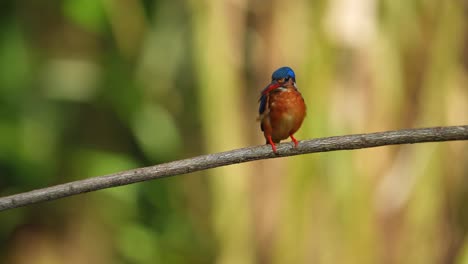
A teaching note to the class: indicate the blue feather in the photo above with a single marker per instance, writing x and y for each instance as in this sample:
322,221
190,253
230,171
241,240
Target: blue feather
263,100
283,72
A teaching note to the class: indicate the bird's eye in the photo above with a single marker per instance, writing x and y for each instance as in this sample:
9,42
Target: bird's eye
286,79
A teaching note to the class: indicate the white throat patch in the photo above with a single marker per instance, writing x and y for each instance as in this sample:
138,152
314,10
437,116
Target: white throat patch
282,89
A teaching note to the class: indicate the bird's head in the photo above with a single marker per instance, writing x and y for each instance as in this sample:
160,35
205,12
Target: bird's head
282,77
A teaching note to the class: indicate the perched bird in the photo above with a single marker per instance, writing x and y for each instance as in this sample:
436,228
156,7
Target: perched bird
282,108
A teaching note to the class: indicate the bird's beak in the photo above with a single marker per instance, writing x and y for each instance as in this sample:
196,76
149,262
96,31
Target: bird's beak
272,86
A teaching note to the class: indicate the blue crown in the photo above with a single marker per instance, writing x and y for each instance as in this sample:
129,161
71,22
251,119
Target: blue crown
283,72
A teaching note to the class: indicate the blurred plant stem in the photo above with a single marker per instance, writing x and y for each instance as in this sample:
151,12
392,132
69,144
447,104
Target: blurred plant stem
218,40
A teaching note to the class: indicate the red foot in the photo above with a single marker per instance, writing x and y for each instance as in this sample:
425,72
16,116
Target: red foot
273,146
294,140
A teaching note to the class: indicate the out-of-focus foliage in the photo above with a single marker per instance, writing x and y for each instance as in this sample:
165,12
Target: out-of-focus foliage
90,87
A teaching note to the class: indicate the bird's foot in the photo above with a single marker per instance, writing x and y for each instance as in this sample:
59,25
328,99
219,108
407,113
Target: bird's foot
294,140
273,146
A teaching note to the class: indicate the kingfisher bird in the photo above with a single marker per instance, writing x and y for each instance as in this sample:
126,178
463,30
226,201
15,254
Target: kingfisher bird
282,108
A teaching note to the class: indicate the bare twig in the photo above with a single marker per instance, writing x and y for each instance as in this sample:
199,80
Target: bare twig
408,136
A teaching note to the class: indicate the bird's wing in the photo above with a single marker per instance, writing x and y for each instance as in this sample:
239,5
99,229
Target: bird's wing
265,95
263,103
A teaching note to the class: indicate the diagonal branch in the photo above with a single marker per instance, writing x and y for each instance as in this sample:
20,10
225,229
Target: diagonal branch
408,136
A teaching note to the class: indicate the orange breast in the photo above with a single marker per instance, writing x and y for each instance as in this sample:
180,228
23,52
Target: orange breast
286,113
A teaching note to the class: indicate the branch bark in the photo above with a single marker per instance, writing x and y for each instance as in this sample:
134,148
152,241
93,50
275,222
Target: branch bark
348,142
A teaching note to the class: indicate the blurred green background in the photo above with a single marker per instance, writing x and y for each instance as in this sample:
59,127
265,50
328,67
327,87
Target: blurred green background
91,87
